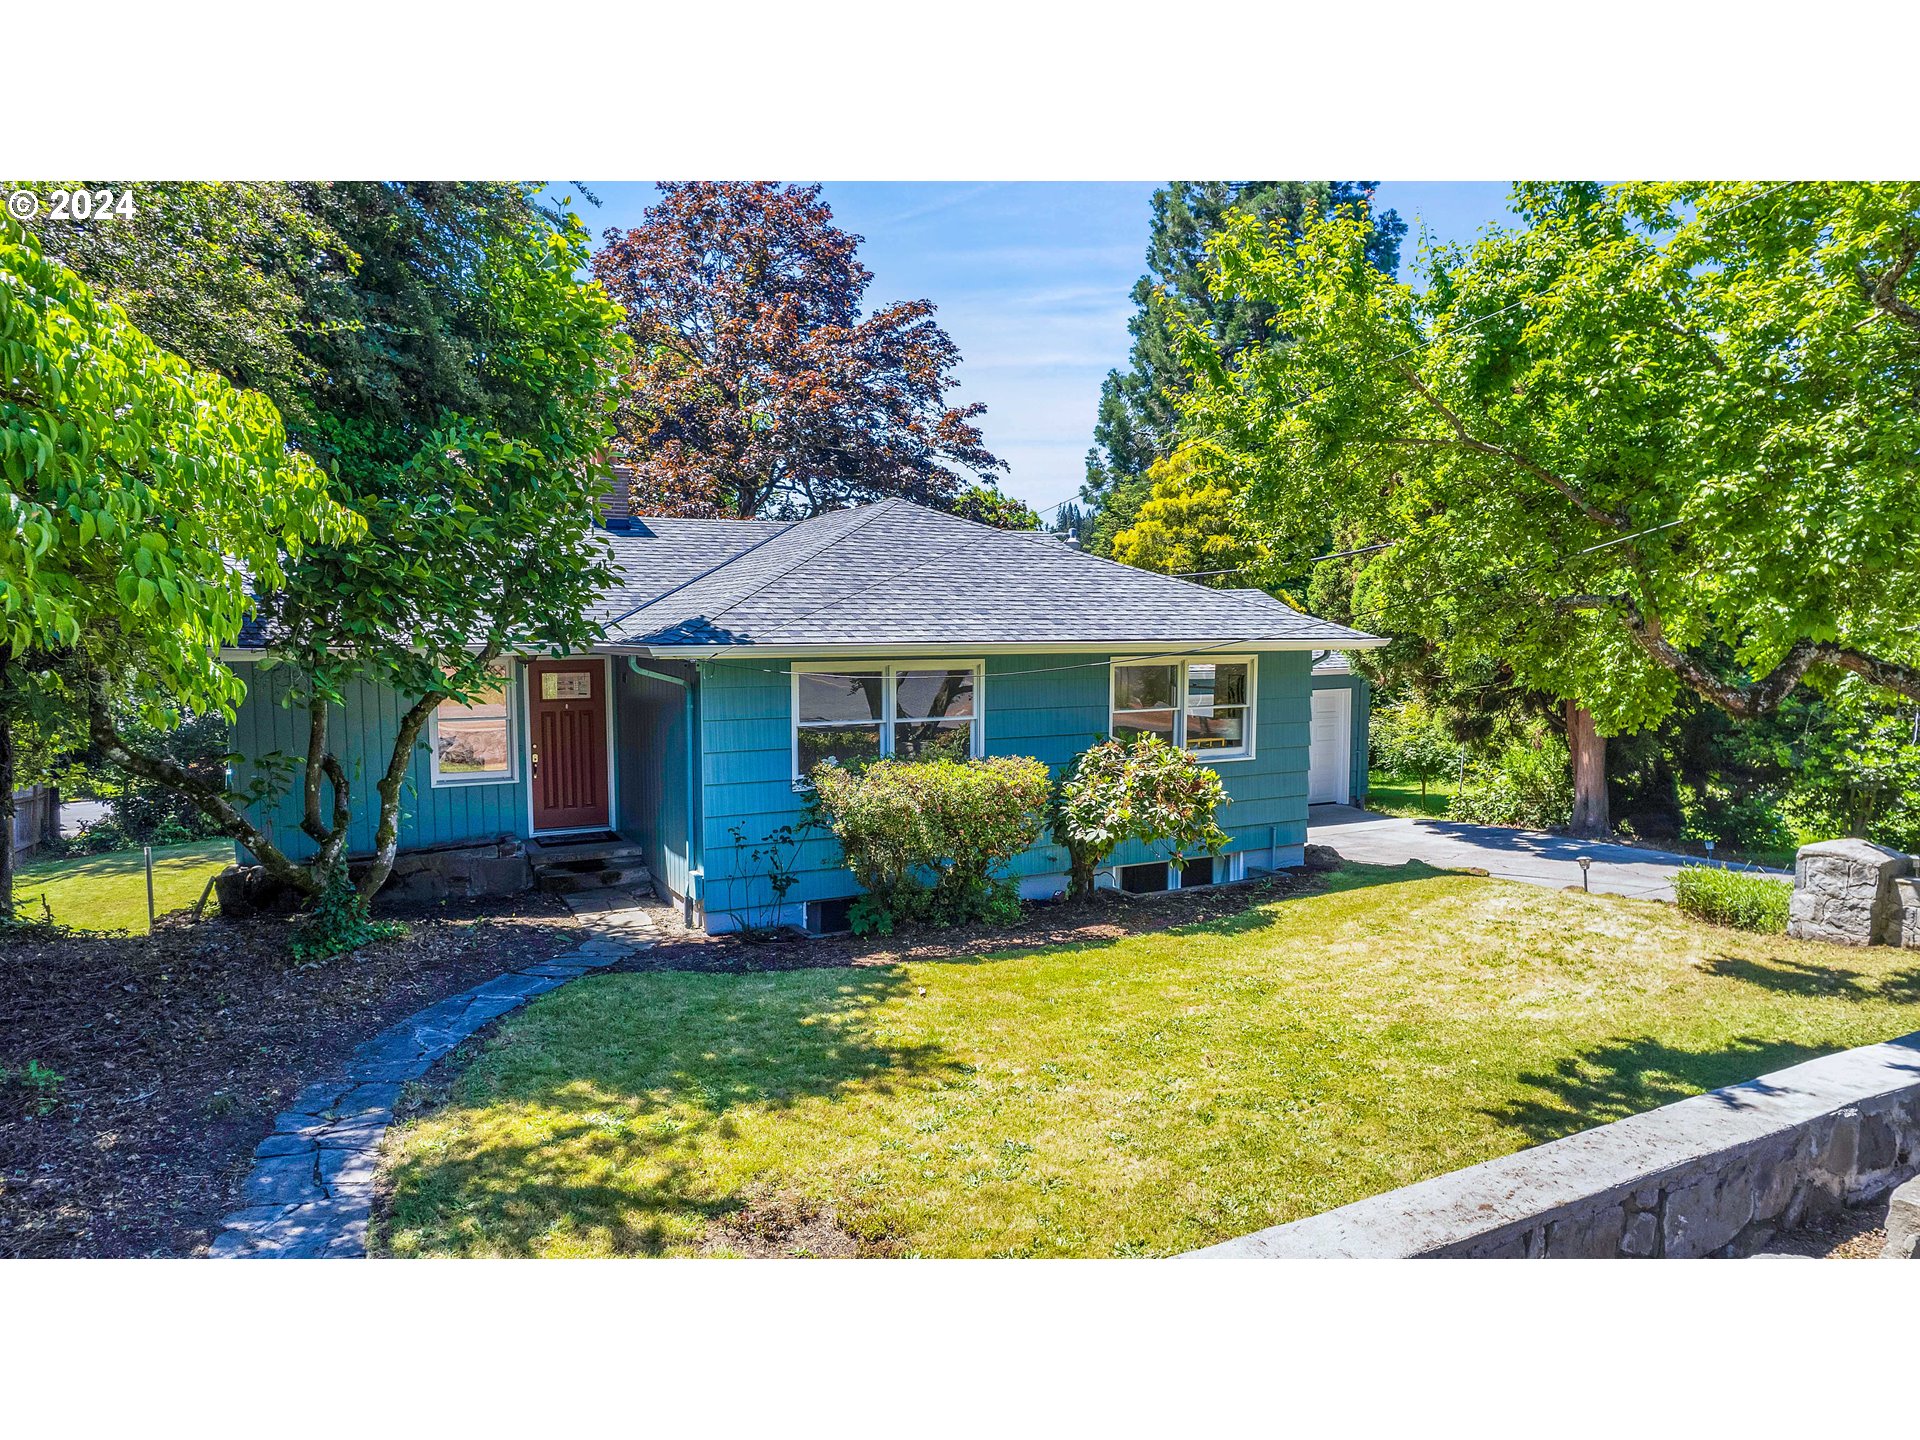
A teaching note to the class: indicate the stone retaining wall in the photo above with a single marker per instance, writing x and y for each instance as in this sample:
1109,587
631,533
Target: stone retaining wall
497,868
1713,1175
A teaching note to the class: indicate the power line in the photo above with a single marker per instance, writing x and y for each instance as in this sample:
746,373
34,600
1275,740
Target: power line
1310,560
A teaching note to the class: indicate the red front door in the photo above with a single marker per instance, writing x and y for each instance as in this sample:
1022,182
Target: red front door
568,708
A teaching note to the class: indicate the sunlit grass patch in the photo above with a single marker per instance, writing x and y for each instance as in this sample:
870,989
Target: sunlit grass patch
1138,1097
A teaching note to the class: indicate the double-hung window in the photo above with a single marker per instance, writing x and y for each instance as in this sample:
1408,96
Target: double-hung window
1204,705
847,713
474,744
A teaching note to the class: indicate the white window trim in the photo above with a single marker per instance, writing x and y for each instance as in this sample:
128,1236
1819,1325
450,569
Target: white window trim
888,670
1209,757
509,684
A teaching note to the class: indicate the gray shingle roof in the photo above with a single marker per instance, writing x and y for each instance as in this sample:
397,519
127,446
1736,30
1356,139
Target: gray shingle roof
659,555
896,573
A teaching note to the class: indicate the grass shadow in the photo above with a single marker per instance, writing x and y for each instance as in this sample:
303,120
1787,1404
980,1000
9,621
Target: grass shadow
578,1120
1800,977
1625,1077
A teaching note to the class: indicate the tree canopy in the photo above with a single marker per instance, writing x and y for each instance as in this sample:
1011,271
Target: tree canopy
456,379
1653,436
1190,525
1139,416
143,499
759,387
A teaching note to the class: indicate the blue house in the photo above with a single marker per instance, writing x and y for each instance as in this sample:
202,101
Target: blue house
738,654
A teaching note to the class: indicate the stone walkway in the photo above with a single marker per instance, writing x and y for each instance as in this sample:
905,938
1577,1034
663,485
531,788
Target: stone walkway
311,1191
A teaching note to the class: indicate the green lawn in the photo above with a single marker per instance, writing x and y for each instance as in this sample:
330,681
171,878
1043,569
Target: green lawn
1389,796
109,892
1140,1097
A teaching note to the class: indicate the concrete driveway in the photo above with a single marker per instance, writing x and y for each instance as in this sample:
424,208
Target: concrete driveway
1529,855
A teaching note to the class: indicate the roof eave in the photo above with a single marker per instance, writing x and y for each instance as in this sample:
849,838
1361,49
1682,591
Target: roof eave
1086,647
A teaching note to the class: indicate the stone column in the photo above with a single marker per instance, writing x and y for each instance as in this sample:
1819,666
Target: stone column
1907,893
1843,891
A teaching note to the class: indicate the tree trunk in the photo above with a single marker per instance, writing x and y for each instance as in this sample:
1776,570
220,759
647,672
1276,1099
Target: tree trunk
1080,879
213,801
6,784
315,771
386,835
1589,751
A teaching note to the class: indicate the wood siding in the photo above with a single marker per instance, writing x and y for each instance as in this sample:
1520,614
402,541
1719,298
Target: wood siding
650,721
362,734
1049,706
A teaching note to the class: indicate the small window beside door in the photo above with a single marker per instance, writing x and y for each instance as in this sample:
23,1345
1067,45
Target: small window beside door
475,744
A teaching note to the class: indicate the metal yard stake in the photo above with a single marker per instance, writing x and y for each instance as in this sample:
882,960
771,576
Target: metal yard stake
146,852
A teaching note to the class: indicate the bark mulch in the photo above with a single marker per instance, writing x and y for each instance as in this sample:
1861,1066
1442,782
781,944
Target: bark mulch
1108,916
1844,1235
174,1051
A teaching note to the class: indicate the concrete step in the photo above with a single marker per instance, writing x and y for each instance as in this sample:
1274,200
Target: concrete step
576,877
564,852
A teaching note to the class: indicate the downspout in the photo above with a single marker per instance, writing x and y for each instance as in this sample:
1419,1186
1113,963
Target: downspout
696,820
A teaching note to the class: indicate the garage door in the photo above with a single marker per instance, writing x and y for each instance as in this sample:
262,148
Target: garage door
1330,761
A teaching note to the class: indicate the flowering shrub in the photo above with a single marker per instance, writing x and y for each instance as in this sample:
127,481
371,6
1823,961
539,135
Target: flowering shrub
923,838
1146,791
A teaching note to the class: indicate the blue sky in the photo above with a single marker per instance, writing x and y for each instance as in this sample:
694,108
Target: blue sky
1031,278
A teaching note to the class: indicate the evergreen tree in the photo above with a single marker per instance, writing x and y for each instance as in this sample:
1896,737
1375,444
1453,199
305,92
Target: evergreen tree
1139,416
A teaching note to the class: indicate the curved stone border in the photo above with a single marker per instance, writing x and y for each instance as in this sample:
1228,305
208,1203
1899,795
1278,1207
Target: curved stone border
311,1191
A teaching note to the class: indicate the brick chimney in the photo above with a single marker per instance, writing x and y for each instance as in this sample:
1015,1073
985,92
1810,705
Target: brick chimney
616,501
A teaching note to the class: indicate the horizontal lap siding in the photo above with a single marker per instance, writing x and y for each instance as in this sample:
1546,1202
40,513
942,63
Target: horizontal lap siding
1051,707
361,733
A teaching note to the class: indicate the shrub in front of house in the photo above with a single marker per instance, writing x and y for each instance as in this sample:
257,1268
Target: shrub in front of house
1735,898
924,838
1144,790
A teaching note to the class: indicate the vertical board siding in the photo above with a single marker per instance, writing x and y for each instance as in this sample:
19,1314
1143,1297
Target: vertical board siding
1051,707
361,732
651,729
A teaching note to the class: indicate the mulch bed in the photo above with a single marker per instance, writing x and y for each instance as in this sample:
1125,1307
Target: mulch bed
1845,1235
1108,916
175,1050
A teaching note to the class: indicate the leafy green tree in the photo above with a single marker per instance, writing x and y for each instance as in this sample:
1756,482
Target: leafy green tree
1190,525
987,505
459,382
143,496
1843,762
1138,420
1145,790
1654,438
213,270
1411,741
